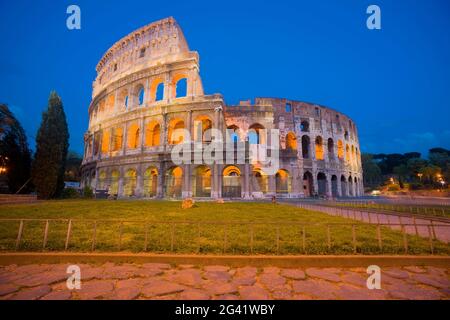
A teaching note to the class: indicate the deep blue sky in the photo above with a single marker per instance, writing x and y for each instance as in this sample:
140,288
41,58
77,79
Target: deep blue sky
394,83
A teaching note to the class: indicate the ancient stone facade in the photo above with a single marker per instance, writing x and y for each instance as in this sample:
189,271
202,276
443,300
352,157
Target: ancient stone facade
148,86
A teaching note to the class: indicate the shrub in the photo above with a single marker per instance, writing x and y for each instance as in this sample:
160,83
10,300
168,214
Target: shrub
70,193
415,186
88,193
394,187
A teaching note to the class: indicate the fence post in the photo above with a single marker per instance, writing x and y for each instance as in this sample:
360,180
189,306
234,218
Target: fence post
224,238
304,239
120,235
434,231
172,237
69,230
415,226
198,236
278,239
44,242
405,239
328,237
94,236
146,237
354,238
430,239
19,234
251,239
380,243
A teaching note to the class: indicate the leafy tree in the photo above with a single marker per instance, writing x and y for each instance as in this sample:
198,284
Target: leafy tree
415,165
73,167
52,143
402,173
371,171
429,173
14,151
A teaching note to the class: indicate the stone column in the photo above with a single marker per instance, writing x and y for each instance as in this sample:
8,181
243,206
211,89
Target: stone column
125,138
186,188
139,181
120,188
329,186
246,181
160,186
215,185
142,134
339,186
272,186
315,183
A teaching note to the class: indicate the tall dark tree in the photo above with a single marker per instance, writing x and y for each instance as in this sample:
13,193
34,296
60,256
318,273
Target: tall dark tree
371,171
14,152
52,144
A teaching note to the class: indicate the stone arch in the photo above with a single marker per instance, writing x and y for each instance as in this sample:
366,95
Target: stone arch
130,183
139,94
319,148
201,187
179,84
291,141
344,189
347,154
340,150
350,186
153,134
231,184
306,147
133,135
202,128
117,139
322,184
114,182
157,89
330,148
150,182
308,184
283,181
260,181
233,133
123,99
255,134
304,126
334,186
174,182
106,137
102,180
176,131
110,102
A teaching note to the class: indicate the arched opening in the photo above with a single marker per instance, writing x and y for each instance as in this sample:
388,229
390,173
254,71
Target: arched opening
157,90
233,132
356,192
231,184
350,186
347,154
291,141
256,134
102,183
110,102
150,182
123,99
353,159
174,182
152,134
340,150
322,184
117,139
330,148
140,93
181,88
308,185
304,126
133,136
282,182
319,148
344,190
260,181
306,143
334,186
114,183
106,136
176,131
202,129
202,183
130,183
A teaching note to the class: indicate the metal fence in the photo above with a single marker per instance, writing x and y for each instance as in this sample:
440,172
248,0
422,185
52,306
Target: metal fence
299,240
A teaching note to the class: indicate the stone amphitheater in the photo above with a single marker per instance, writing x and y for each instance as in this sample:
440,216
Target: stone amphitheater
148,87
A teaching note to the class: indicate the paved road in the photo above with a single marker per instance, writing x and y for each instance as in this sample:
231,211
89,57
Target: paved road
162,281
440,230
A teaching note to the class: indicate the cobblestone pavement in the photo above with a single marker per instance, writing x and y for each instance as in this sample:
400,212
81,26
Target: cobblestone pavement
162,281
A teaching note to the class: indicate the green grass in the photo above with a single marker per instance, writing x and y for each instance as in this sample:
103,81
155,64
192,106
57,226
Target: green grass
192,232
424,210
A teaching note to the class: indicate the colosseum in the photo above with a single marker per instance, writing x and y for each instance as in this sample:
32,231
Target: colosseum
148,87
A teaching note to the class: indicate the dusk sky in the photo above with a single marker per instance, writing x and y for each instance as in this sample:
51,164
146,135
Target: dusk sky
394,82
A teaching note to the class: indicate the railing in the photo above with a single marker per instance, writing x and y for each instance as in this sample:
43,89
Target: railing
219,237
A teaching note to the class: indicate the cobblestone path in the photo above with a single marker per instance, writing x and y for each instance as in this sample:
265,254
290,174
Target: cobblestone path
163,281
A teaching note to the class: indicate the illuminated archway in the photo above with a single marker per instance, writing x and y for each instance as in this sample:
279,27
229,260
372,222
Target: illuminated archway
106,136
202,182
114,182
174,182
150,182
175,132
133,136
283,181
291,141
152,134
231,185
340,150
308,184
319,148
202,127
130,183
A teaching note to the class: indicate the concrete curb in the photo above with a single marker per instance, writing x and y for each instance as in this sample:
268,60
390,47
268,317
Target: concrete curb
234,261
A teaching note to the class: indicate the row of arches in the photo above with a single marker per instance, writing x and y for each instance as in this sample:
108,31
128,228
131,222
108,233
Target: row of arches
139,95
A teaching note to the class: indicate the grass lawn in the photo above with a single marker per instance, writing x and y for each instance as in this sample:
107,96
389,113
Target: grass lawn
424,210
231,228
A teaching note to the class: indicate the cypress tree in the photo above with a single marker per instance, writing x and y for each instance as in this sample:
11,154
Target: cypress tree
52,144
